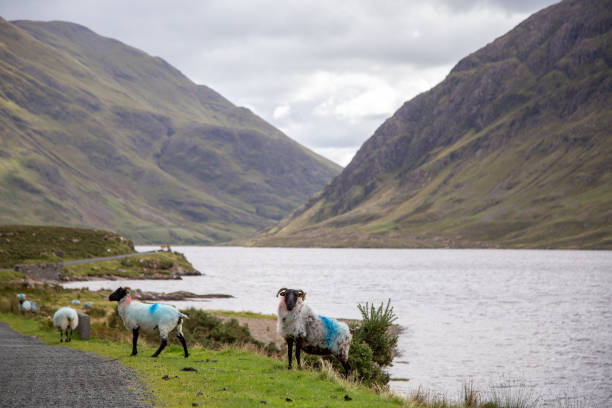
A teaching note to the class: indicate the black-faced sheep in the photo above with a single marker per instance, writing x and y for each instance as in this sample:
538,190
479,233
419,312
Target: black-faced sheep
148,317
313,333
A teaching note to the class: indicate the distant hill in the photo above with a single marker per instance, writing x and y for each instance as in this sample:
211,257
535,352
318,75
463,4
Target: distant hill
513,149
96,133
30,243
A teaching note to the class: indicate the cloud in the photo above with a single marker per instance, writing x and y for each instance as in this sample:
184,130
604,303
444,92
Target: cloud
326,73
281,111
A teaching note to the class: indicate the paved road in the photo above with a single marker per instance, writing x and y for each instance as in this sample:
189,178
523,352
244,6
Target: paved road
107,258
33,374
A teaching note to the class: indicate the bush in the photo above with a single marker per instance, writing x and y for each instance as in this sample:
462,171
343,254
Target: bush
374,344
212,332
373,347
375,331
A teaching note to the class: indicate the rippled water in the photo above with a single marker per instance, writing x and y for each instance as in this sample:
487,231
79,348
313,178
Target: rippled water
542,319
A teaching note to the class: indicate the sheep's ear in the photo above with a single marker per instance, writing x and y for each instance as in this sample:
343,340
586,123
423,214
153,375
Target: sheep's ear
302,294
280,290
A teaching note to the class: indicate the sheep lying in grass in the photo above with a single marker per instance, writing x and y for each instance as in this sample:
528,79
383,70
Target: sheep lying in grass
148,317
313,333
26,305
65,318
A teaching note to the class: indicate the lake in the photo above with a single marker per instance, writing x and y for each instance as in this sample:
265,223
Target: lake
540,320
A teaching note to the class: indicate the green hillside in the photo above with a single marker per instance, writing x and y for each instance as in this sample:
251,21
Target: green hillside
513,149
29,243
96,133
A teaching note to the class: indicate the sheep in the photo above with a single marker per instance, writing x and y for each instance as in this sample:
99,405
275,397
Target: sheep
27,305
313,333
76,302
66,317
148,317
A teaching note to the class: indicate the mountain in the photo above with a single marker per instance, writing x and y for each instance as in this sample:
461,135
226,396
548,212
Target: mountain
96,133
513,149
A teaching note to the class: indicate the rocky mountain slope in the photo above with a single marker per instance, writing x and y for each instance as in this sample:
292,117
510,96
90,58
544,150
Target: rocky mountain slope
96,133
512,149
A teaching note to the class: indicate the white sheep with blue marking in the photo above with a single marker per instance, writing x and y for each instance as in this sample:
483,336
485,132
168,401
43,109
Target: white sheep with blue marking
26,305
313,333
148,317
66,318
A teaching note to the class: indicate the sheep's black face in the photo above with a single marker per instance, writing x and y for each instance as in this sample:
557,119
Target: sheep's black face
291,297
118,294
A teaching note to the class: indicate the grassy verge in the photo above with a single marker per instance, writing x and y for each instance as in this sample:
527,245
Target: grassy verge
233,369
155,265
10,275
231,377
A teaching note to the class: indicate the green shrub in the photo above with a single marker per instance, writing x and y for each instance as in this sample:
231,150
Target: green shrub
212,332
373,347
375,331
374,344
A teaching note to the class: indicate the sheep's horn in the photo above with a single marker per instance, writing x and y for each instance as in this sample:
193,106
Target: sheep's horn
302,294
279,291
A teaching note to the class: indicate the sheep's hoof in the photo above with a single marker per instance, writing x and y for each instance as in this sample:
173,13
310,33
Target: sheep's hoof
289,368
133,354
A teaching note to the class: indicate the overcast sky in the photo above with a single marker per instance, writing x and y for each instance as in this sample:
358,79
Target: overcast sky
327,73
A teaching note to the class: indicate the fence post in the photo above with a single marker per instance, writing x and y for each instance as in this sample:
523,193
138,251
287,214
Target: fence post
84,327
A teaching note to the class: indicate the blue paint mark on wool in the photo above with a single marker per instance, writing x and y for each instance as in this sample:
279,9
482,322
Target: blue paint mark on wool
153,308
331,328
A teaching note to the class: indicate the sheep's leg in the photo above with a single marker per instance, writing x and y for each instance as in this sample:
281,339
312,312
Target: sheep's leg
69,336
179,334
61,335
182,339
289,351
298,349
347,368
164,341
134,341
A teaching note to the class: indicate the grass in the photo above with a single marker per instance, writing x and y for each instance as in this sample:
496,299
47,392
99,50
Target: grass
162,263
231,377
10,275
238,375
34,244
